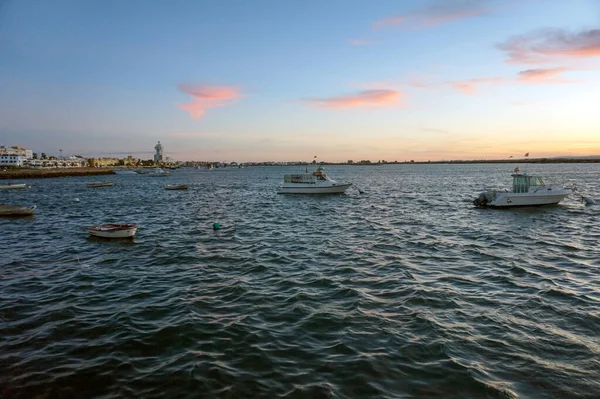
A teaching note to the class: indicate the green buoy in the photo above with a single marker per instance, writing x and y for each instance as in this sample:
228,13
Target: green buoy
216,226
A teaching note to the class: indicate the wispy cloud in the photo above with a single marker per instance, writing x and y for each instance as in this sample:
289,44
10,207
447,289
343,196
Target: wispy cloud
438,13
208,97
551,45
361,42
537,76
542,75
470,86
365,98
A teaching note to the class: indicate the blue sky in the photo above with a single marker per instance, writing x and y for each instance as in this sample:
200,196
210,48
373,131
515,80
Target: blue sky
284,80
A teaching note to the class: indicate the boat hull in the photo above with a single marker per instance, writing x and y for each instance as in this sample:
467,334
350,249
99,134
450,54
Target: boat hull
300,188
12,186
15,211
181,187
106,184
113,231
513,200
125,172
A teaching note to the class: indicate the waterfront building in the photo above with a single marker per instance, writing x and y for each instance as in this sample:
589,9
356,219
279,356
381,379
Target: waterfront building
11,160
103,162
158,156
70,162
16,150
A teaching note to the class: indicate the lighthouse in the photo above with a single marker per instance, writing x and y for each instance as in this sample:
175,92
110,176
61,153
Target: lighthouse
158,156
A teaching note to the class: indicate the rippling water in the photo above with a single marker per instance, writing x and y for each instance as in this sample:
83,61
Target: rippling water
406,290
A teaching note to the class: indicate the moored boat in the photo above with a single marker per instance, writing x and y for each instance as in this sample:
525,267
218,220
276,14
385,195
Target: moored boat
15,210
176,187
102,184
156,172
311,183
527,190
113,230
125,172
12,186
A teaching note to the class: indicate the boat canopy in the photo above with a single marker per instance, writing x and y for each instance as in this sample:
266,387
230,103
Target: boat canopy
299,178
521,183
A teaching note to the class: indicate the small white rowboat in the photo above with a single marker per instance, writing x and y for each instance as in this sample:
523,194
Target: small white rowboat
113,230
12,186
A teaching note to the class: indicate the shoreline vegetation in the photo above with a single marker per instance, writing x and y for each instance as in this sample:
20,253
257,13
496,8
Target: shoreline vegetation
25,173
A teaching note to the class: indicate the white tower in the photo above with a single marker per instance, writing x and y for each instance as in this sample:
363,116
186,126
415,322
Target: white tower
158,157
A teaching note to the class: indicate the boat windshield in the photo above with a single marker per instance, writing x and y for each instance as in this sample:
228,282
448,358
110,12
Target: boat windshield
535,181
522,183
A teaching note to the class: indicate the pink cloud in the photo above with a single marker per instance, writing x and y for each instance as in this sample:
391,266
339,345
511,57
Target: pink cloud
541,75
470,86
366,98
391,21
551,45
208,97
441,12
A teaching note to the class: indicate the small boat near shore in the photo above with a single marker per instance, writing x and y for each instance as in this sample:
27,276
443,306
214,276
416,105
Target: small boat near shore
311,183
527,190
155,172
176,187
101,184
113,230
12,186
15,210
125,172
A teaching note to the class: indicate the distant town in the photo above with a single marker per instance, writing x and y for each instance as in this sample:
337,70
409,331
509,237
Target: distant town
17,157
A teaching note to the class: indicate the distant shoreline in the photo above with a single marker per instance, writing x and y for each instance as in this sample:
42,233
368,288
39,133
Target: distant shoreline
459,162
519,161
71,172
50,173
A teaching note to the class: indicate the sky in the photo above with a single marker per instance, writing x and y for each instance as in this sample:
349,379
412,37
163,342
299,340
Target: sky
271,80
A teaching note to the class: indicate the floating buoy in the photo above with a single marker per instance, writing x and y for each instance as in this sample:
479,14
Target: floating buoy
76,200
216,226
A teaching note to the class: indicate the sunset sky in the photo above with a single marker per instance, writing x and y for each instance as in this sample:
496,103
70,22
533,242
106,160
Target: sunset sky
285,80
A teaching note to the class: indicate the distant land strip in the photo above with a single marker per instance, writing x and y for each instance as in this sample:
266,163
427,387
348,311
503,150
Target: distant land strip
461,161
24,173
512,160
47,173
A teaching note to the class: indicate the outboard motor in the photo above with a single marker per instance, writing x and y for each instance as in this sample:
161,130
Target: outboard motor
481,200
588,200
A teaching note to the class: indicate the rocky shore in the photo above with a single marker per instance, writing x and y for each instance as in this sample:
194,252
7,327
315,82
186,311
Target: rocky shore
48,173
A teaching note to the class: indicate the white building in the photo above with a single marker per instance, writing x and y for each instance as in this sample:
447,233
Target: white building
16,150
70,162
158,156
11,160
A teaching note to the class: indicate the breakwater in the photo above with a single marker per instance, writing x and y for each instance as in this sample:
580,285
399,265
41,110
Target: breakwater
47,173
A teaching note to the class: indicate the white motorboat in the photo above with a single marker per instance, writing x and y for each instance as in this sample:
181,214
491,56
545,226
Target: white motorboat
125,172
113,230
527,190
12,186
156,172
311,183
